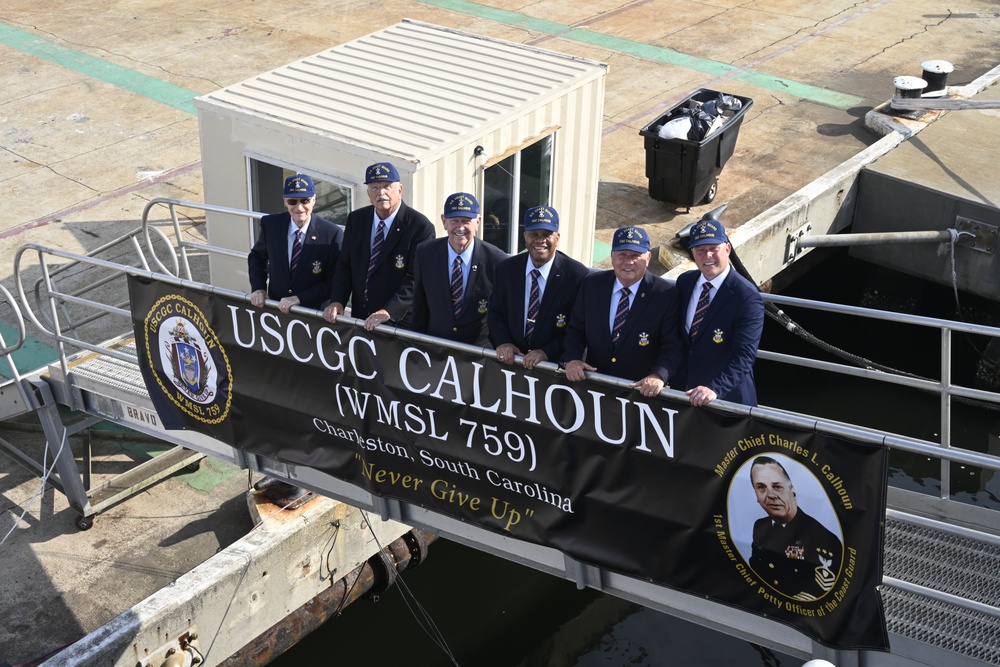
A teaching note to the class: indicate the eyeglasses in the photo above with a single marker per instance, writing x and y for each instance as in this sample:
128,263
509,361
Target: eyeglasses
295,202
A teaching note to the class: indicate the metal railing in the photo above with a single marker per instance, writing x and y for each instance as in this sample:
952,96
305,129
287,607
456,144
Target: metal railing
152,235
5,349
177,264
944,388
943,451
63,284
183,245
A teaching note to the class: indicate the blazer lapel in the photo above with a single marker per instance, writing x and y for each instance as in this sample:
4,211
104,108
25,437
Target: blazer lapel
638,306
718,305
309,241
551,290
470,287
601,309
519,283
286,255
394,236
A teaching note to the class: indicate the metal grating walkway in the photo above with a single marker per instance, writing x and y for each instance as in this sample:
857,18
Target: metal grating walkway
101,373
952,564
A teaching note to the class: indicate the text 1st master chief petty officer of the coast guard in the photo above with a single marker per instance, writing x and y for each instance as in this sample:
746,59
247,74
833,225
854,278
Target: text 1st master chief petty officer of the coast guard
375,269
293,258
624,321
534,293
722,323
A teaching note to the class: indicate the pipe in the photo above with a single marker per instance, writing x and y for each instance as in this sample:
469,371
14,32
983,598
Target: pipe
878,238
370,577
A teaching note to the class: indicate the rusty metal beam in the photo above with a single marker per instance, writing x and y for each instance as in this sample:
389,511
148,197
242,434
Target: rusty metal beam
375,575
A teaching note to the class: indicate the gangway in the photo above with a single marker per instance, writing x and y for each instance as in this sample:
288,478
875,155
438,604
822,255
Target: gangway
29,393
941,580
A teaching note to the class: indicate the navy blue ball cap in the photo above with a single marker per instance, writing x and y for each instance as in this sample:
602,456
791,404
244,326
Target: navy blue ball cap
541,217
381,172
631,238
299,185
461,205
707,232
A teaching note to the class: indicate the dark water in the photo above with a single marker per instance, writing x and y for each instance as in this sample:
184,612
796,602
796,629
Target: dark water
914,350
493,612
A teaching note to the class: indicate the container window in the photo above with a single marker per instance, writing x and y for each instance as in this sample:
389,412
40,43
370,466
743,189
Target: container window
512,186
333,200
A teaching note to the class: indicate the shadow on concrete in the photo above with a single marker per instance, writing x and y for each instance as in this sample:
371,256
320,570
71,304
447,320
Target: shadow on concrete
219,523
856,129
29,600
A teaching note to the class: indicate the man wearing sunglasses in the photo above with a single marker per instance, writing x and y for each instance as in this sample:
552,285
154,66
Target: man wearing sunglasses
292,263
293,259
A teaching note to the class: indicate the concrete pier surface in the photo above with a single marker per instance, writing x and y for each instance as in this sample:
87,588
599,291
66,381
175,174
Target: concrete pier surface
96,119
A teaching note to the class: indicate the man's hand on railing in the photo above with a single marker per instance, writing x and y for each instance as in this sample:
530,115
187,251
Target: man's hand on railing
286,303
257,298
330,312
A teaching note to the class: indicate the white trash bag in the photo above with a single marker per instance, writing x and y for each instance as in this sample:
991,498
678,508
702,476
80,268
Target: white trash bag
677,128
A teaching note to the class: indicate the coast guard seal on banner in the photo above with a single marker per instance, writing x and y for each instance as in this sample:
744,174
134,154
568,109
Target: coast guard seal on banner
187,360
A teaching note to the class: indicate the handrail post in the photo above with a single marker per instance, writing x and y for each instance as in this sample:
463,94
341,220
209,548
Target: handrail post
54,313
149,240
945,409
181,245
6,350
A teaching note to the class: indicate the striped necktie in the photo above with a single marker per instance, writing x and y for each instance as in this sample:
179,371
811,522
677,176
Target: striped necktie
376,248
699,310
296,251
621,314
534,301
456,285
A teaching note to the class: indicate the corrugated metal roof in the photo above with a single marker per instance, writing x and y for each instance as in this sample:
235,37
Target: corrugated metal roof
410,89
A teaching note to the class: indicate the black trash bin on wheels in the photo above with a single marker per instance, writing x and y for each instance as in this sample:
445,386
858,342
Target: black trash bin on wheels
685,172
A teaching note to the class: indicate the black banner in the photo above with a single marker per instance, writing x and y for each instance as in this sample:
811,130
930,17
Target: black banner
777,522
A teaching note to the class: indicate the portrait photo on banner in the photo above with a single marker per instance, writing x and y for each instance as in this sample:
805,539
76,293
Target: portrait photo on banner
805,492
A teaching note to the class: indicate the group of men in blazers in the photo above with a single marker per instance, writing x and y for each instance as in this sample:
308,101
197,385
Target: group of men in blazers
700,335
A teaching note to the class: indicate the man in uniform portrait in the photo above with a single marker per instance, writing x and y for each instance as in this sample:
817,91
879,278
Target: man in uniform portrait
791,551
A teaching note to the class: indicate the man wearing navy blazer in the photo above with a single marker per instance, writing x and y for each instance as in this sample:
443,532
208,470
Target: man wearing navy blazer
454,277
722,323
624,321
292,262
375,271
534,293
293,258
